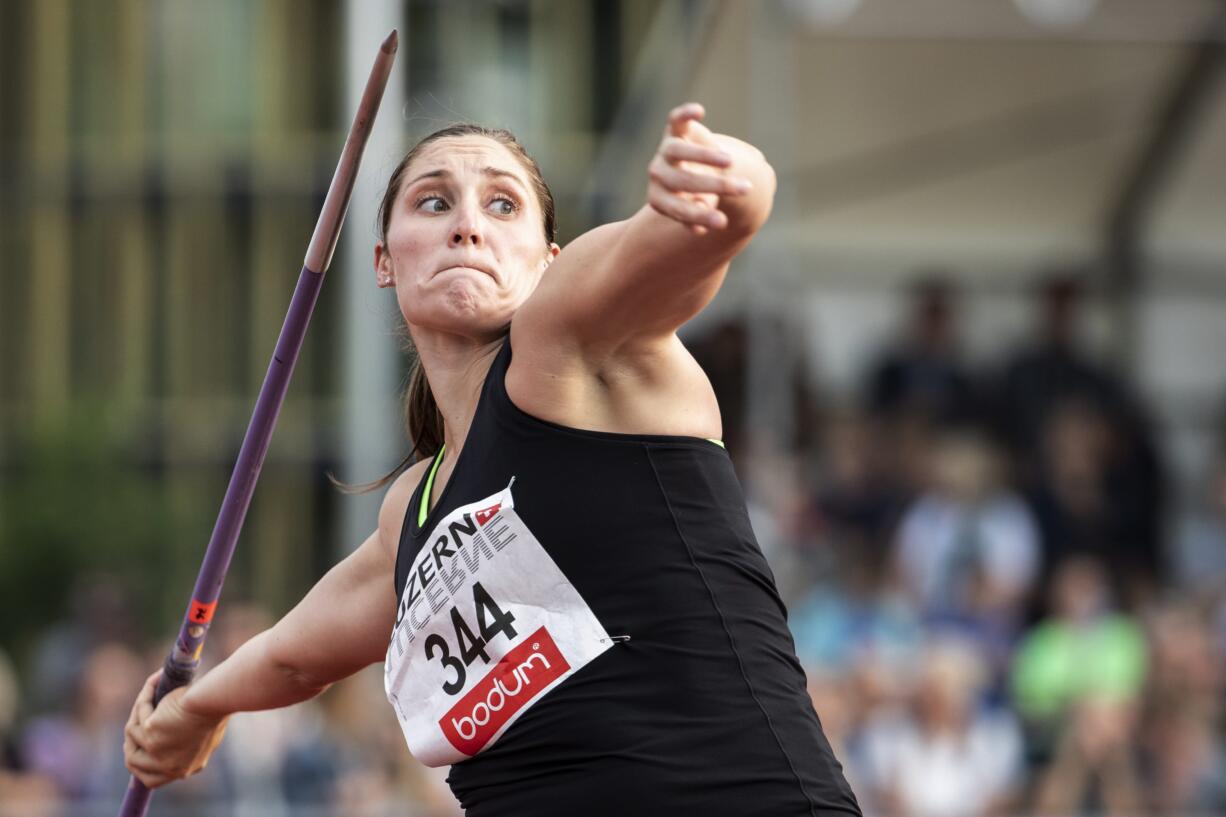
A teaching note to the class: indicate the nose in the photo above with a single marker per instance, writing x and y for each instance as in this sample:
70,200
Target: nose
467,228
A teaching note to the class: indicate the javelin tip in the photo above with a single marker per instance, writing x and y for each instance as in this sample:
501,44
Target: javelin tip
389,45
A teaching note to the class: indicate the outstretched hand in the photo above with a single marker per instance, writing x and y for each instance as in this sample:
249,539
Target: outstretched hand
690,172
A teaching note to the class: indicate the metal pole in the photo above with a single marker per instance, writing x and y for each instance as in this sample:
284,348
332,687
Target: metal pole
770,409
1189,99
372,438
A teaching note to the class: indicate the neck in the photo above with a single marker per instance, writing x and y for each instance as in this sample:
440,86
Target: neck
455,367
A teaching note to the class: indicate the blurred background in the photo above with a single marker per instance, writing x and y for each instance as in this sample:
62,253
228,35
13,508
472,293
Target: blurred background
972,372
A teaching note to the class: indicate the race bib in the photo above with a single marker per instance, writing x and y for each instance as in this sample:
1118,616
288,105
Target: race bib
486,626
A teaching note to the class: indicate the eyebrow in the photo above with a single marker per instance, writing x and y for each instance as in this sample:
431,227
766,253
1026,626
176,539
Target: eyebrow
489,172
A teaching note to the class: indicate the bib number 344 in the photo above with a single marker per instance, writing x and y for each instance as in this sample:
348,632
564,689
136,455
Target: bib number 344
492,621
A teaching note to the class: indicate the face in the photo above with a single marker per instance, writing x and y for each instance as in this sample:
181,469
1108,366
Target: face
465,243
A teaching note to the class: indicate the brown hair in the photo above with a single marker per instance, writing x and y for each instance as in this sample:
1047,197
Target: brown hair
422,420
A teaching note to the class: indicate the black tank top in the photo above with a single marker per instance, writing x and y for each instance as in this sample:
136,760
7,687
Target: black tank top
698,706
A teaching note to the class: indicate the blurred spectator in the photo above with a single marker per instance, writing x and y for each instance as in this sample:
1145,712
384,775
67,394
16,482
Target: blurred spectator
968,548
851,617
1084,445
82,750
100,613
944,755
22,792
1182,738
861,629
1094,768
1085,648
1052,368
1077,680
1199,557
857,502
1090,500
923,375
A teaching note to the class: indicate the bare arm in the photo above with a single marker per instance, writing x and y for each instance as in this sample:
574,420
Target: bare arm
636,281
342,625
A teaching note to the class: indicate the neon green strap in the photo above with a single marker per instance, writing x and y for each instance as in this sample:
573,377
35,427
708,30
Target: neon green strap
425,494
720,443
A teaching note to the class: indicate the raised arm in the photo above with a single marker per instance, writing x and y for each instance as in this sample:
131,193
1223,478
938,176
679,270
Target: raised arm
636,281
342,625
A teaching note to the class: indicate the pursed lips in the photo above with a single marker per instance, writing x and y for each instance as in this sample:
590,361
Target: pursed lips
469,266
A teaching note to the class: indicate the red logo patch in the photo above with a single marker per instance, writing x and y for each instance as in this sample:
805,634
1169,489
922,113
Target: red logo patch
487,514
520,675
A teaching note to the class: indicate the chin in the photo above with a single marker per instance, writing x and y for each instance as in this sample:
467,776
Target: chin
462,308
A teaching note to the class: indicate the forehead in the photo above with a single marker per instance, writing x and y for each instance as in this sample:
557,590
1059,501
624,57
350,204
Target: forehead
467,153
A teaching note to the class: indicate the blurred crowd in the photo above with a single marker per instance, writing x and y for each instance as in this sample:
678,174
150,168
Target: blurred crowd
341,753
998,607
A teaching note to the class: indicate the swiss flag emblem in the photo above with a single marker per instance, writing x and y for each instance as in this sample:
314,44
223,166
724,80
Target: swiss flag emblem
486,514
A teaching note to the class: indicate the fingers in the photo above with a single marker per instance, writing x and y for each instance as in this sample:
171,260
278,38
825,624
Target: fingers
699,133
169,744
138,761
150,688
154,771
136,741
144,704
681,180
142,764
150,779
143,770
141,708
688,174
132,739
686,211
680,117
680,150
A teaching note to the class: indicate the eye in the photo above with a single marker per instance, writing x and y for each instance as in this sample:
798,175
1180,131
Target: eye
504,206
431,204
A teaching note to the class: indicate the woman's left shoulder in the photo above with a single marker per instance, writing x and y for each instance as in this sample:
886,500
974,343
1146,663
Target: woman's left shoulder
645,387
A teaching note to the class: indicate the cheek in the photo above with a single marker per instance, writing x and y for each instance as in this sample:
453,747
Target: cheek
530,278
410,255
410,241
529,261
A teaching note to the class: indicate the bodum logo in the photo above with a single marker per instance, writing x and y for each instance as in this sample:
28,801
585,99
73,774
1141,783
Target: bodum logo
520,675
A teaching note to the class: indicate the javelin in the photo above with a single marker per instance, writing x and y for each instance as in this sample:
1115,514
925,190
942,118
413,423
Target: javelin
184,659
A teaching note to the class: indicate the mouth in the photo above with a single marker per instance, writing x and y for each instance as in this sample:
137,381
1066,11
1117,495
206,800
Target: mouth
469,267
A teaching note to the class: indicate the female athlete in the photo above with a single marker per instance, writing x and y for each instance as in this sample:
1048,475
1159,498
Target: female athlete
565,591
